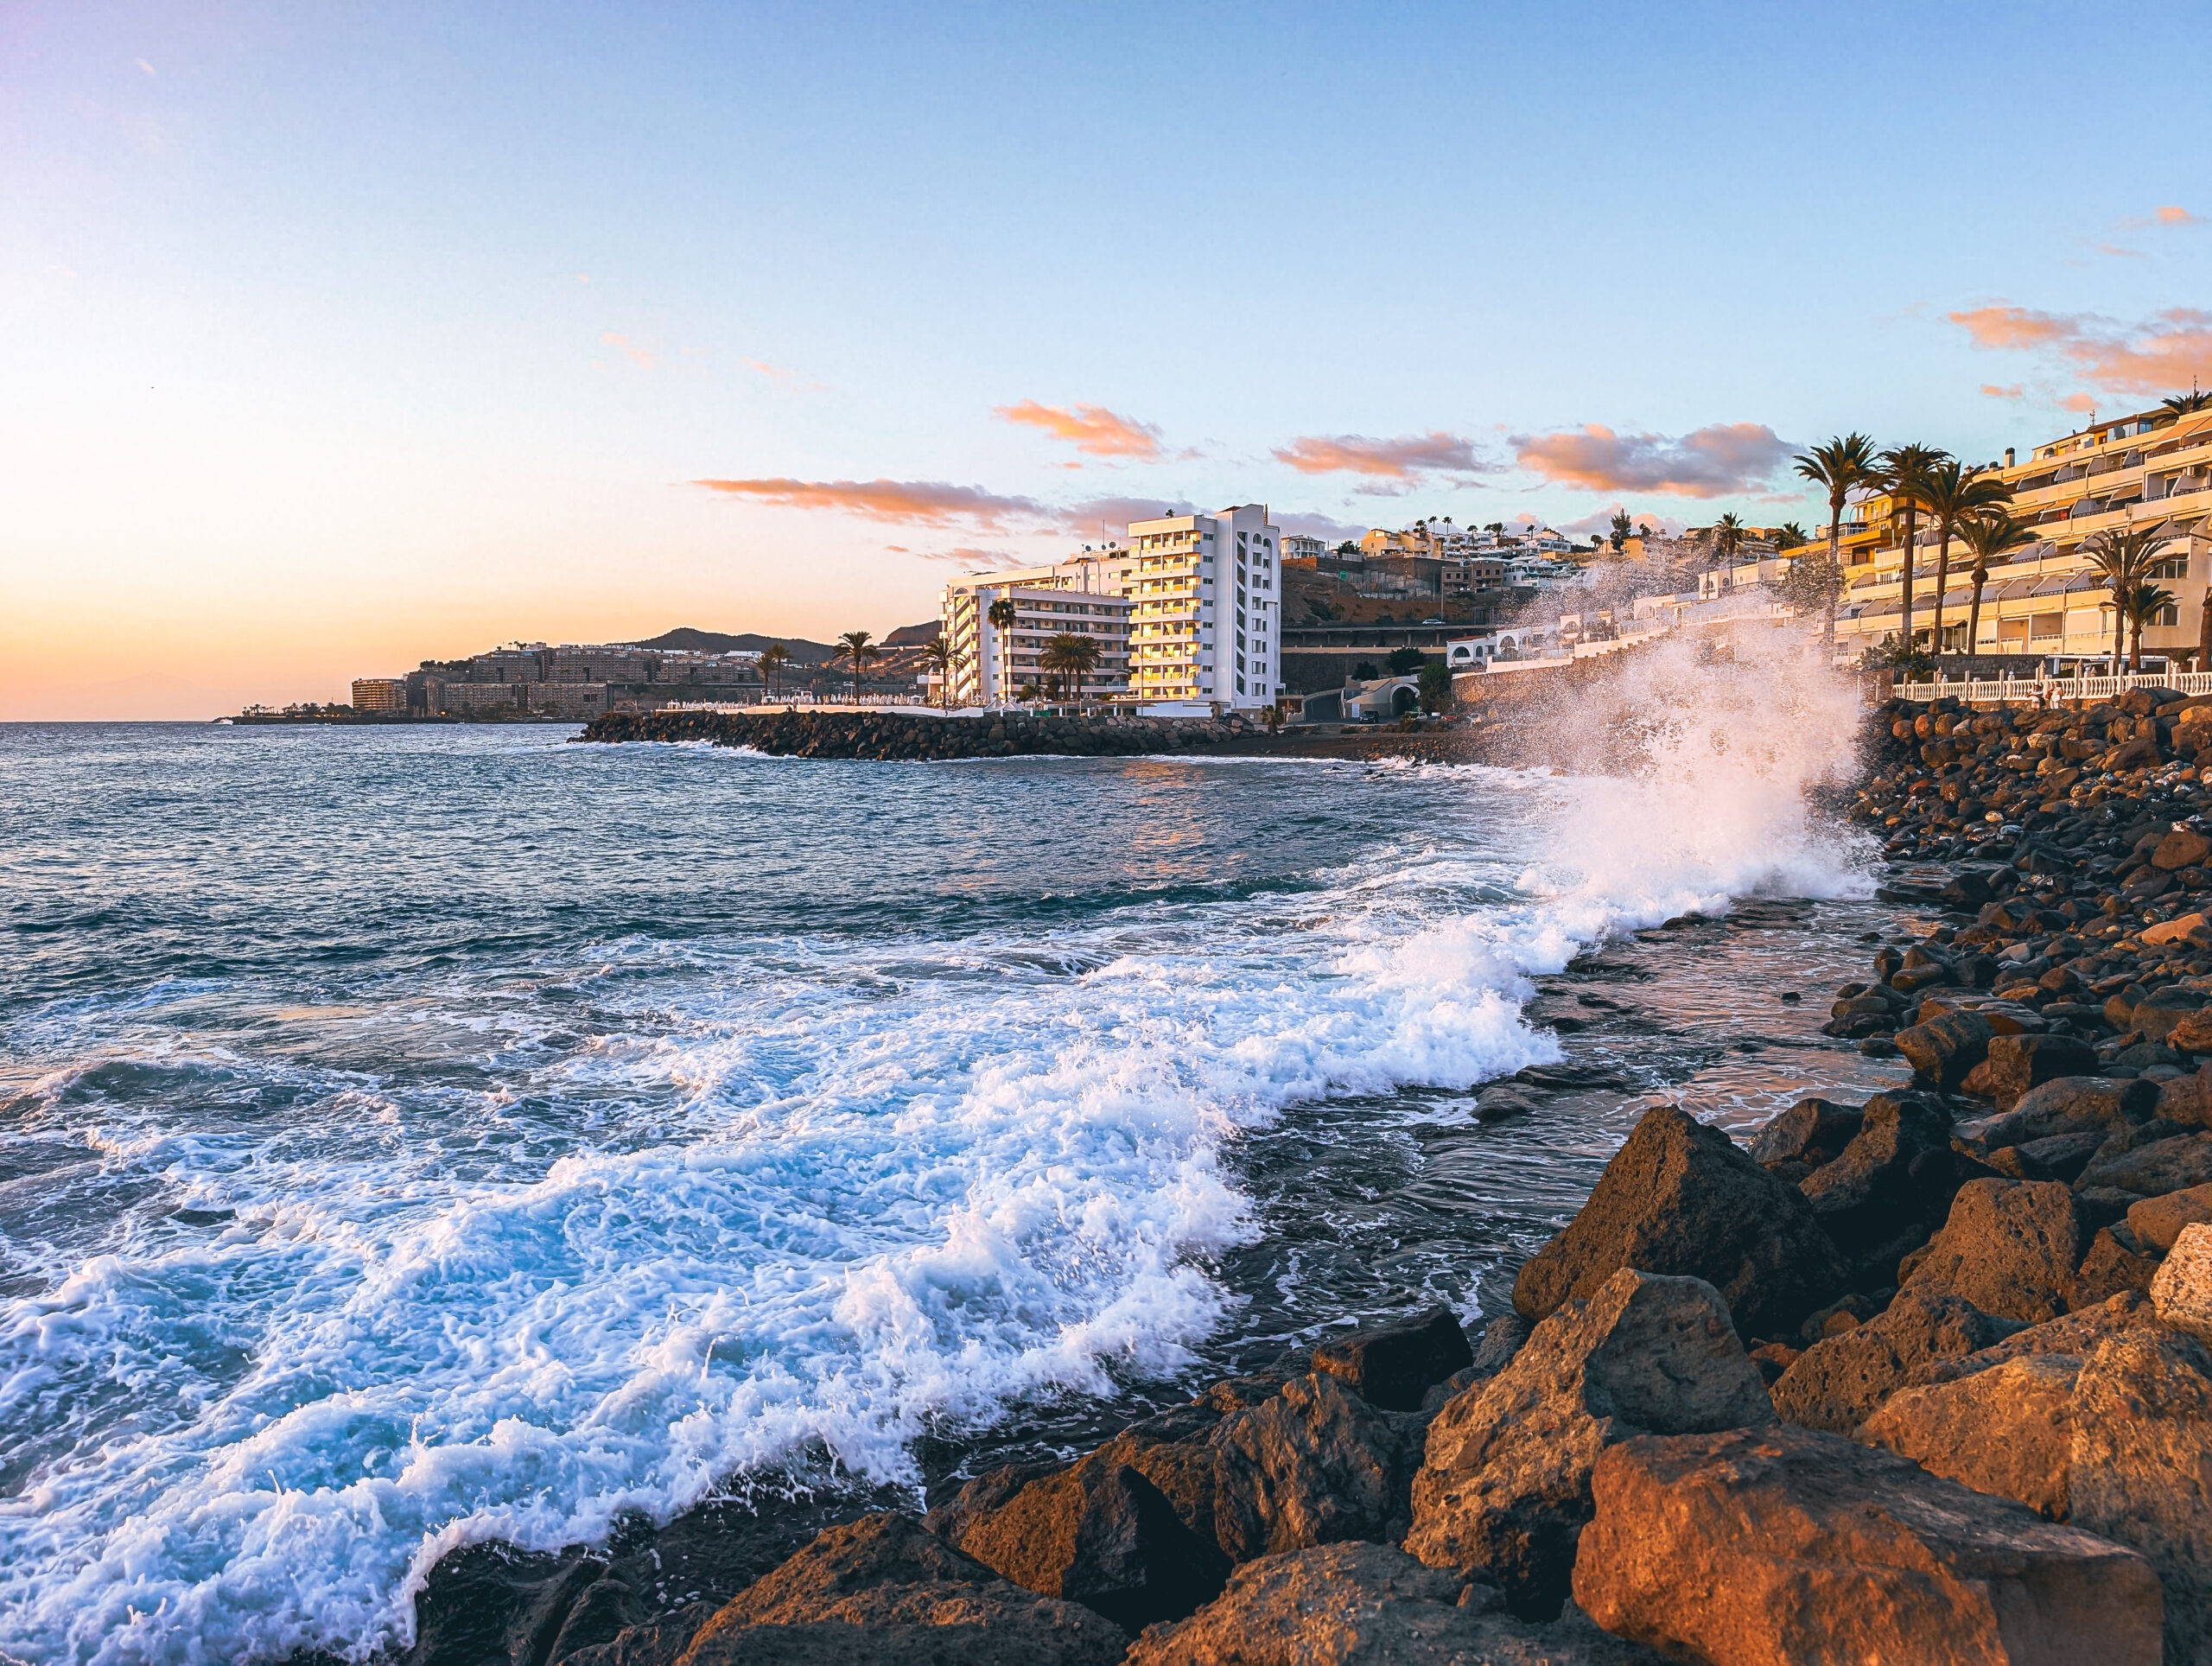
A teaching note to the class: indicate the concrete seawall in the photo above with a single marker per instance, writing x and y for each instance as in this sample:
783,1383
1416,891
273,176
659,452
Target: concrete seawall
903,735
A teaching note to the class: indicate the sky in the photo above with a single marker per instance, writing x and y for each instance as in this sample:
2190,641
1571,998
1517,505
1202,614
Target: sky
339,337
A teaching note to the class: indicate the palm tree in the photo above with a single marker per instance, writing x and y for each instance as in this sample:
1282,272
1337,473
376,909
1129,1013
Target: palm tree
859,647
1788,535
1986,537
1727,537
2142,604
1000,614
2122,560
2182,404
1843,465
1955,495
1905,469
938,652
773,659
1070,657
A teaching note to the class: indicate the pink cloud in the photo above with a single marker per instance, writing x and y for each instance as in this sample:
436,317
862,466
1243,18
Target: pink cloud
918,503
2171,215
1092,429
2165,351
1406,459
2085,404
2013,392
1717,460
636,355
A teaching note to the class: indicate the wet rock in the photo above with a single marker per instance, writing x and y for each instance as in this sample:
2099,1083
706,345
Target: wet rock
1393,1365
1681,1198
1866,1196
1504,1486
1368,1604
1315,1465
2183,847
2181,1292
1757,1547
885,1589
2009,1247
2066,1104
2018,1063
2139,1467
1813,1131
2159,1013
2157,1222
1838,1384
2006,1430
1943,1050
1102,1535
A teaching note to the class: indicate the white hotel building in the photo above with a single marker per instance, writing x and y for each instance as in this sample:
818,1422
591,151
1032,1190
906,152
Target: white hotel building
1190,612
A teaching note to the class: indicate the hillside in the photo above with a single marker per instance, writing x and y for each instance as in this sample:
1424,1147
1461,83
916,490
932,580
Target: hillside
690,639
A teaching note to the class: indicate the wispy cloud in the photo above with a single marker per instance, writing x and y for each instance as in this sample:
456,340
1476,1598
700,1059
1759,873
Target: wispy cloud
916,502
2114,249
641,357
1319,526
2082,403
1402,460
2013,391
974,559
1717,461
2171,215
143,65
1091,430
2164,352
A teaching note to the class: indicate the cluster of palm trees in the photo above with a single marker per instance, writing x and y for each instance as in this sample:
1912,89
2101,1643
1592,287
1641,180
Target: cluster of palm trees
1973,509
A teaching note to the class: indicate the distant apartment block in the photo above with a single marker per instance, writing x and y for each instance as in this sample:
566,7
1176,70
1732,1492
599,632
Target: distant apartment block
1188,612
1296,546
379,693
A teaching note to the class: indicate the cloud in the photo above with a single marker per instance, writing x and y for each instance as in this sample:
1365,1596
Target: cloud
2083,402
2165,351
1319,526
1406,459
969,556
636,355
2171,215
1714,462
2114,249
1092,429
916,502
149,68
2013,392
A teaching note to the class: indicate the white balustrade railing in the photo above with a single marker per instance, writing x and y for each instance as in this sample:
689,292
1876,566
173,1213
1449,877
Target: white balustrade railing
2027,689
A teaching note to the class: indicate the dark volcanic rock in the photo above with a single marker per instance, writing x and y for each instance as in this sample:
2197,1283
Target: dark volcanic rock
1393,1365
1812,1131
1868,1195
1315,1465
1944,1049
1837,1383
2009,1247
1682,1199
2017,1062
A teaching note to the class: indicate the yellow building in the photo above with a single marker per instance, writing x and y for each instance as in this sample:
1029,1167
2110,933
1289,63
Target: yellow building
2148,470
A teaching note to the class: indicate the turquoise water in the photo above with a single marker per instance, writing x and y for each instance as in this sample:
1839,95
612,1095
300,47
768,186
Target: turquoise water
415,1134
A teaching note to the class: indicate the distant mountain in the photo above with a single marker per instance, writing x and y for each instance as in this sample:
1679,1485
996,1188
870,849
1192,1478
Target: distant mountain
802,651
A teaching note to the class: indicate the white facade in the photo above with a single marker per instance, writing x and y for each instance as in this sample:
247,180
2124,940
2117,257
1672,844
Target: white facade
1207,627
1084,595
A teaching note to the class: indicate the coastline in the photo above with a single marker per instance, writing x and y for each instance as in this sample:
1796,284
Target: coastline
1824,1238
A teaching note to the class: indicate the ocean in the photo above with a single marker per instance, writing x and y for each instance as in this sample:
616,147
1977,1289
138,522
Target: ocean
412,1135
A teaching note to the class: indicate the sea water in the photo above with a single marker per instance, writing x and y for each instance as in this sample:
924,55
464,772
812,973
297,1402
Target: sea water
414,1134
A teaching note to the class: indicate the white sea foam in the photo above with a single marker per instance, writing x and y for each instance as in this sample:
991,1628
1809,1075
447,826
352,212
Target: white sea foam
834,1190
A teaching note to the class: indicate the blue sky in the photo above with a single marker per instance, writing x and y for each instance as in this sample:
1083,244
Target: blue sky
342,336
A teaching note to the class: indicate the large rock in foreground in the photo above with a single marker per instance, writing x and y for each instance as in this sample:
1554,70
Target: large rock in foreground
886,1589
1785,1547
1682,1199
1368,1604
2009,1247
1505,1488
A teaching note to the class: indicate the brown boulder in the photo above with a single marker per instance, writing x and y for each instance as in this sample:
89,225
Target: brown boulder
1368,1604
1681,1198
1943,1050
2009,1247
2140,1468
1867,1197
1392,1366
1314,1465
1505,1487
2109,1267
1837,1383
2181,848
2157,1222
2079,1333
2006,1430
2017,1064
2157,1166
2183,1290
886,1583
1812,1131
1785,1547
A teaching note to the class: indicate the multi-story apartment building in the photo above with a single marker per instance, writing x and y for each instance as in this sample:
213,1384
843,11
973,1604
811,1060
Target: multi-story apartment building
2150,471
379,693
1084,595
1208,621
1188,611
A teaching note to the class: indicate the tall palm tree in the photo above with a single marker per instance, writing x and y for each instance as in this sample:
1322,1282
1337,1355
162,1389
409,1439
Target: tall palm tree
859,647
1843,465
1955,495
1986,537
1788,535
2122,560
2142,605
2182,404
1727,537
1000,614
1070,657
1905,469
773,659
938,651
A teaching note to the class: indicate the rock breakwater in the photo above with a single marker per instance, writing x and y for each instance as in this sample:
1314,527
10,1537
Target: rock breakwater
788,734
1923,1378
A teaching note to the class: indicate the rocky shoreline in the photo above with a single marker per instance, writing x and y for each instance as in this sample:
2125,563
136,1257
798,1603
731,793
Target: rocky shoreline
1922,1378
